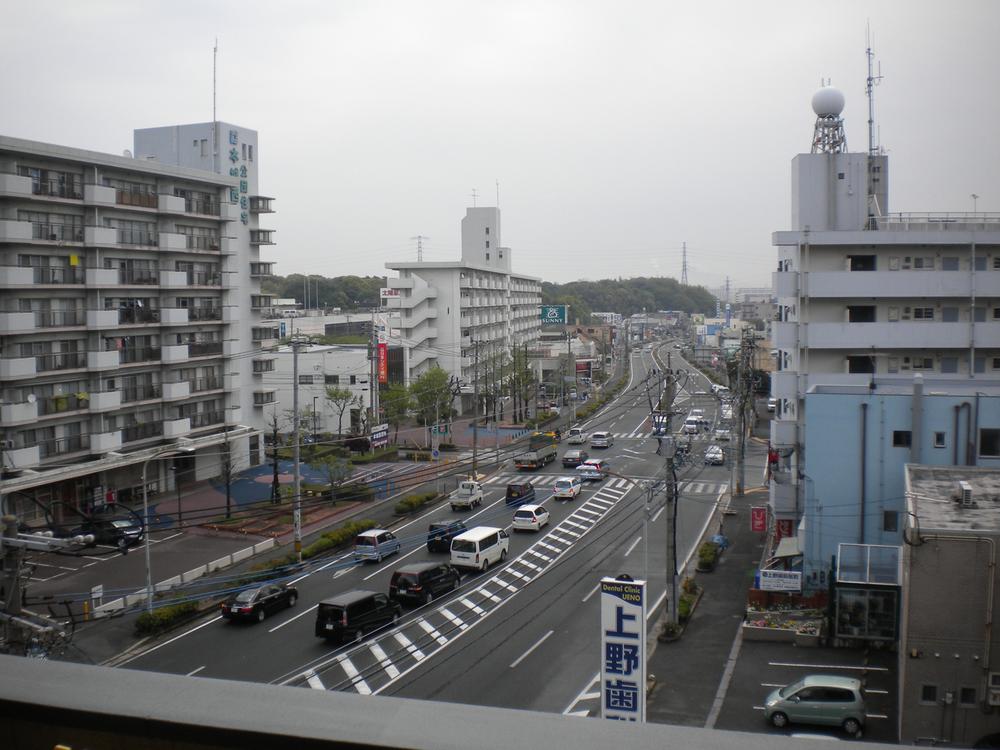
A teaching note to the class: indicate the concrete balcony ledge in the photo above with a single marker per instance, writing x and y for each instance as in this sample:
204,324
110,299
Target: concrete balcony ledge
99,195
173,279
400,283
100,236
171,391
15,276
102,318
105,400
229,211
17,367
105,442
233,415
174,316
171,354
14,231
228,246
18,413
172,241
170,204
782,496
230,314
101,276
783,432
785,284
15,185
175,428
17,322
103,360
23,458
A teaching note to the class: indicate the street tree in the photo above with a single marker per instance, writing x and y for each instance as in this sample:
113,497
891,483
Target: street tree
396,402
432,396
340,399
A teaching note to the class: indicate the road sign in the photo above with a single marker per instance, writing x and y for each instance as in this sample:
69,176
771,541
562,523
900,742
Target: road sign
623,650
553,315
435,454
758,519
380,435
281,329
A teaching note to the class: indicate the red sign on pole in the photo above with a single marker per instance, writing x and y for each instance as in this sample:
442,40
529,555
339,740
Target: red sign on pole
383,363
783,528
758,519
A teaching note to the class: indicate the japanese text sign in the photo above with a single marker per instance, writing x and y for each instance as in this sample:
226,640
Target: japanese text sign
758,518
623,650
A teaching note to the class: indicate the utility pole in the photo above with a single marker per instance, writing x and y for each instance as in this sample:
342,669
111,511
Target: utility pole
297,344
475,411
275,485
745,377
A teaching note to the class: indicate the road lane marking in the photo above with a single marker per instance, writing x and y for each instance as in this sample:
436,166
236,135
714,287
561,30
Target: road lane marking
406,643
474,607
827,666
538,554
633,545
595,680
175,638
575,525
489,595
455,619
193,672
584,509
293,618
570,531
523,656
516,574
314,681
592,592
550,547
508,586
559,539
354,675
657,514
432,632
383,658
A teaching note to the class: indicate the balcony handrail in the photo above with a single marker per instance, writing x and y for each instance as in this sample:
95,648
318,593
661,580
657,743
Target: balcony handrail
202,241
204,278
53,274
204,313
142,392
59,318
204,348
133,432
55,231
199,385
59,187
205,418
927,220
134,315
59,361
147,237
138,276
132,354
201,206
63,445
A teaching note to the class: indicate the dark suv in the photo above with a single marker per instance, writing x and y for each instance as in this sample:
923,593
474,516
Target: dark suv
422,582
519,493
440,534
350,615
116,532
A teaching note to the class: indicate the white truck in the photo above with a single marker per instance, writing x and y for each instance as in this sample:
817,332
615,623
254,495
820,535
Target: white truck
468,495
577,436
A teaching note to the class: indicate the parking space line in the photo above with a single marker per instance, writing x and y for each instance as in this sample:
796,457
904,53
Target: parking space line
406,643
432,632
827,666
383,658
354,675
454,618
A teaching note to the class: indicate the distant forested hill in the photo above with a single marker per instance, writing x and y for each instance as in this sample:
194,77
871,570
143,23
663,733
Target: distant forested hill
346,292
627,296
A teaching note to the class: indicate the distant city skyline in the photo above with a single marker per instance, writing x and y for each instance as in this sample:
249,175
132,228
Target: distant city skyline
616,133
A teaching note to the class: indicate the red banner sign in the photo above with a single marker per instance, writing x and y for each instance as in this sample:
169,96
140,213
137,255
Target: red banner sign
783,527
383,363
758,519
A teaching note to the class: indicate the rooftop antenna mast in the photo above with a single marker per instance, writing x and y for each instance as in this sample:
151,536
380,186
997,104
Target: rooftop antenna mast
874,148
475,195
215,122
420,246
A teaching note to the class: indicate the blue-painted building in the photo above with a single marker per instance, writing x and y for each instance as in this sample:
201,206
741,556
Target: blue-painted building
859,440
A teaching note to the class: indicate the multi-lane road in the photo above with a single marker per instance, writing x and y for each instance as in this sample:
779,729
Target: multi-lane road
525,634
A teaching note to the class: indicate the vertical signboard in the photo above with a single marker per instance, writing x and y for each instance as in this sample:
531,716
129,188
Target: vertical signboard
623,650
758,518
379,436
383,363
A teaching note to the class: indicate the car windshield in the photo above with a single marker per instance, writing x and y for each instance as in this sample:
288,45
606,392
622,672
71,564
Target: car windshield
463,545
789,689
572,454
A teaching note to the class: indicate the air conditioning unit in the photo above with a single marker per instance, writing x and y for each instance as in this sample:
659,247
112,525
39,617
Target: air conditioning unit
7,445
994,697
965,495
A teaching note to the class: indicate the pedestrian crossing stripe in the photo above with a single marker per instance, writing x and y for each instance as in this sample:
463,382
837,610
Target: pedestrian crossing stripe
613,489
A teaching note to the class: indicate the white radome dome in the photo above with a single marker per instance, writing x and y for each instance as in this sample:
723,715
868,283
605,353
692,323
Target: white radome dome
828,101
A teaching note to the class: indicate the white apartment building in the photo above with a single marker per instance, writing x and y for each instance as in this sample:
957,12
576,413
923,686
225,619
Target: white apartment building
128,290
448,310
866,297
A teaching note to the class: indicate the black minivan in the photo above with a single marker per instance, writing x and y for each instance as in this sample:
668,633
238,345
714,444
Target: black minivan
350,615
519,493
422,582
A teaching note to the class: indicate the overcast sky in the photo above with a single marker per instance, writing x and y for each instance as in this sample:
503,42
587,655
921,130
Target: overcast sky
617,130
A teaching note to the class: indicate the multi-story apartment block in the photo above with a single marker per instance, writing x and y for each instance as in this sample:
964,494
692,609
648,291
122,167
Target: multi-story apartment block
451,310
869,298
127,297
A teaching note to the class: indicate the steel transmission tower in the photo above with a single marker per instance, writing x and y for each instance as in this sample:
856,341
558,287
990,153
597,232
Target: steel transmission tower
684,263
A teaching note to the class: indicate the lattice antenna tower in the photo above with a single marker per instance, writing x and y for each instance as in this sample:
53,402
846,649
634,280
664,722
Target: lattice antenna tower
684,264
420,246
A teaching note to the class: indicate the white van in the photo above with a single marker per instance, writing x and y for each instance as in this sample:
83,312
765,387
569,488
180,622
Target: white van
479,548
691,426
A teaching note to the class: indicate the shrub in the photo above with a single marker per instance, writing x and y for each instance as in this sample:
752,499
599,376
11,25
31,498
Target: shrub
684,605
380,454
688,586
354,493
412,503
164,618
708,555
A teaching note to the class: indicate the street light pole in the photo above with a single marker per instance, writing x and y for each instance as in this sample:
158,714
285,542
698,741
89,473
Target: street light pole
169,451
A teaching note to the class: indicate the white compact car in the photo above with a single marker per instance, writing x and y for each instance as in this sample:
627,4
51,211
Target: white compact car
715,455
530,518
568,487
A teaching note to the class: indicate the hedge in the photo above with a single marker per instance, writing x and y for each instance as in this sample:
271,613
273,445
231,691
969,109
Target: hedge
412,503
380,454
164,618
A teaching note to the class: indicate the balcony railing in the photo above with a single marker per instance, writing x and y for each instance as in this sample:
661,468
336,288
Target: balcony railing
143,392
142,431
200,385
60,186
131,355
205,348
261,366
204,313
202,242
199,206
60,361
62,446
260,398
144,237
204,278
57,275
57,232
138,276
61,403
129,315
206,418
144,197
59,318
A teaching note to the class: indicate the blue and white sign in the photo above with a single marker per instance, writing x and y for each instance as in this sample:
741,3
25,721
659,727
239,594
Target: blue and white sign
380,435
623,650
779,580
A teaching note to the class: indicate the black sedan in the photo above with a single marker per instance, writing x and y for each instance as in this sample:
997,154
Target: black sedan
574,458
258,602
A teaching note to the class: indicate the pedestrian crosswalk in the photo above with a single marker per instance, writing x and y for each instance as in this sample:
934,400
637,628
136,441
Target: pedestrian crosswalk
547,480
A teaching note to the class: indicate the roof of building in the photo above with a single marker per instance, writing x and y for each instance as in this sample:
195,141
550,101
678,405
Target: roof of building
903,386
934,497
457,265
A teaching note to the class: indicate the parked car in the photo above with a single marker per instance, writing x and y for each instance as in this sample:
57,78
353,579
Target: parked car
519,493
116,532
258,602
574,458
422,582
350,615
714,455
601,440
375,544
440,534
567,487
530,518
818,699
594,469
772,404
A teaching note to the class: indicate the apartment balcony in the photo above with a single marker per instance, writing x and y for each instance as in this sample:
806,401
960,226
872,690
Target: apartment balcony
207,419
232,382
22,458
134,433
174,316
261,204
17,322
260,270
107,360
60,405
139,196
200,207
202,242
229,211
16,276
785,284
105,400
99,195
175,428
261,237
173,354
171,241
782,496
131,355
233,414
63,446
203,385
229,245
261,366
15,231
100,236
265,397
131,394
264,333
204,278
15,186
174,279
59,318
105,442
102,319
901,284
11,414
176,390
204,314
132,316
784,335
57,275
101,277
900,335
60,361
261,301
785,383
205,349
171,204
784,432
57,232
17,367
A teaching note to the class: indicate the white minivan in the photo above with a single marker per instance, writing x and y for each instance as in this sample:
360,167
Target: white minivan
479,548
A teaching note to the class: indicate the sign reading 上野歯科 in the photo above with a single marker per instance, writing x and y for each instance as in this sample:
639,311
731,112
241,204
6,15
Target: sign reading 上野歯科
553,314
623,650
779,580
380,435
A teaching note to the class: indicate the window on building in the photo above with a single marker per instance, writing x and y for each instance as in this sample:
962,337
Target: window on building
949,263
500,254
979,314
928,693
923,313
980,262
901,438
890,521
487,256
204,147
923,363
979,365
967,696
893,314
949,314
924,263
305,379
939,440
487,244
244,151
861,313
861,365
487,231
861,262
996,363
331,379
892,364
949,365
354,379
250,152
989,442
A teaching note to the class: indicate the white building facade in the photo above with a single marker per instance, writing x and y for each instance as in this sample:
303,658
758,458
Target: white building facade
450,311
